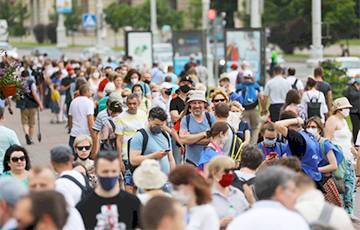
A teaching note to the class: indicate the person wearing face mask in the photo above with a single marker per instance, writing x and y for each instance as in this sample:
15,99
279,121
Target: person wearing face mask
145,103
109,207
337,130
163,100
217,135
132,78
352,93
228,201
94,81
193,191
153,142
270,146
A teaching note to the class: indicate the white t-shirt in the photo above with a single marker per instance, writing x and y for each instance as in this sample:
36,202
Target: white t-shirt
69,189
203,217
79,109
276,89
315,94
74,220
299,83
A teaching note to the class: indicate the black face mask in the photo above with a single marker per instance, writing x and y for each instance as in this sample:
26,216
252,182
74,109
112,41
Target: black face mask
185,88
168,92
147,82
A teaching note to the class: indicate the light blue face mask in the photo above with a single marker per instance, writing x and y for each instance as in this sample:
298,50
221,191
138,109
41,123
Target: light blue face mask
269,142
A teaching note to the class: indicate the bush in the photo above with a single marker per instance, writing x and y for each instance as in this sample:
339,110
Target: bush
40,33
335,76
51,32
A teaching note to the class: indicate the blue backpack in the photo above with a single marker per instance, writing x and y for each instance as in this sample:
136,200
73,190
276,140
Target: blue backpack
249,99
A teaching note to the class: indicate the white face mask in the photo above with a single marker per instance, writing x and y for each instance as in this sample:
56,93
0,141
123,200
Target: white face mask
134,81
313,131
96,75
181,197
345,112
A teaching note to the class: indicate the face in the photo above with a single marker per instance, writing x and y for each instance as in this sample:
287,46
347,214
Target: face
83,149
312,125
22,213
43,181
156,122
118,82
138,91
219,98
133,105
270,135
134,78
147,77
185,194
197,107
17,161
287,195
224,84
106,168
235,109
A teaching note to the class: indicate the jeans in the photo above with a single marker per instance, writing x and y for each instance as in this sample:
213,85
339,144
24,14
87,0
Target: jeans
355,121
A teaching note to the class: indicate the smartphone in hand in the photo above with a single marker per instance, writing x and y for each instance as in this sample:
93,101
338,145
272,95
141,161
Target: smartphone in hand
167,150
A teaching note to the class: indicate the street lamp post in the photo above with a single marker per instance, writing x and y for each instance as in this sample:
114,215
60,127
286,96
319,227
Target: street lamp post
209,58
153,15
60,32
99,24
255,15
316,47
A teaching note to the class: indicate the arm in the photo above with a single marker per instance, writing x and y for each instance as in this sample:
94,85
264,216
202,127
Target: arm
332,166
263,103
37,99
330,127
96,143
247,137
69,122
136,157
171,160
90,122
281,126
119,144
189,139
329,100
175,116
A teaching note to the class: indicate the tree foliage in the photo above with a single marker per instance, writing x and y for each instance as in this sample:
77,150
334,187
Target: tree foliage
15,12
194,13
73,19
290,21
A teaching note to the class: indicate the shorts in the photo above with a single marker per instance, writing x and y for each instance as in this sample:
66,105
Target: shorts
28,116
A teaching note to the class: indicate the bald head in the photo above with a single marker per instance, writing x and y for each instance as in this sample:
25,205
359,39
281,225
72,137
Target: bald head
41,179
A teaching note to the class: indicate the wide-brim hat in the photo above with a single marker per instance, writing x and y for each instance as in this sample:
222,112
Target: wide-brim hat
197,95
224,77
341,103
149,175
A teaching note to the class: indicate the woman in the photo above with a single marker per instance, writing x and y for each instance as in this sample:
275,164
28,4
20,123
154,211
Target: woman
192,190
228,201
328,165
132,78
94,82
217,136
17,163
118,82
314,101
149,178
338,132
293,103
243,131
83,145
145,103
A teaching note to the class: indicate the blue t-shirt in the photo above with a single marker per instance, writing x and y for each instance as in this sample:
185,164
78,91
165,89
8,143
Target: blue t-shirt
279,148
193,151
156,142
326,147
206,155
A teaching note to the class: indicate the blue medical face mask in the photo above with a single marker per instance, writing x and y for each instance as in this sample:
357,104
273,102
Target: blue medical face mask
108,183
269,142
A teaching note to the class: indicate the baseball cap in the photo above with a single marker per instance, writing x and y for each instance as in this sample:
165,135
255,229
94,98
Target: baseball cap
115,96
61,154
11,190
115,106
186,78
166,85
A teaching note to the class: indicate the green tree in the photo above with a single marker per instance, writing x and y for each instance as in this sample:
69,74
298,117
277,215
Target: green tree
194,13
73,19
15,12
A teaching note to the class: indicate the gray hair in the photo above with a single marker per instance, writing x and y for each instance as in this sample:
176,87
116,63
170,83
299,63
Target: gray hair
268,179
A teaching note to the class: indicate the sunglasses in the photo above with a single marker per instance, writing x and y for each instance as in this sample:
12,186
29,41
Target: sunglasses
83,148
16,159
219,100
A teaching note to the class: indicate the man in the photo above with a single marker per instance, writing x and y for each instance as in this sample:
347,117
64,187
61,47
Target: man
43,179
163,100
323,87
233,74
294,81
193,126
28,105
81,114
109,207
11,191
275,90
352,93
276,193
156,141
41,210
312,205
163,213
62,158
170,73
127,123
248,94
270,146
104,118
224,83
156,74
7,138
201,71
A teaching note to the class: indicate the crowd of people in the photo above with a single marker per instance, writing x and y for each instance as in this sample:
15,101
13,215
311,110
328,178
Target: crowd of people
151,150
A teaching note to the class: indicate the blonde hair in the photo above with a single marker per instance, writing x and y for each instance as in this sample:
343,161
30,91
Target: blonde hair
218,164
82,138
217,92
237,105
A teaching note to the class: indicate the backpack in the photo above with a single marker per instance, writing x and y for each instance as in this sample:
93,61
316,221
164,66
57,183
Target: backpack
293,86
84,189
236,146
207,115
249,97
145,136
109,144
239,182
339,174
313,106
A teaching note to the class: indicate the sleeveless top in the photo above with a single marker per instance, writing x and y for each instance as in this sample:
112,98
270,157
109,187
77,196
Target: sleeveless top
342,138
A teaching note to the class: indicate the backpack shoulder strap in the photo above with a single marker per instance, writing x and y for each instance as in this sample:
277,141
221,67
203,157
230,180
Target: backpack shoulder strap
166,136
71,178
208,118
145,140
187,117
113,126
294,84
326,212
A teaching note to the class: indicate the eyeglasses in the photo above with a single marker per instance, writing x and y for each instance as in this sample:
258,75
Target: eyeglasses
83,148
16,159
219,100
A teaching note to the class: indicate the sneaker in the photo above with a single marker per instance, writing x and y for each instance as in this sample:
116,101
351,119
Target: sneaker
28,140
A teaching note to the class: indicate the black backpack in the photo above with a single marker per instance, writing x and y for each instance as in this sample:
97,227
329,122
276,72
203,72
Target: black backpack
293,86
239,182
313,106
85,190
144,144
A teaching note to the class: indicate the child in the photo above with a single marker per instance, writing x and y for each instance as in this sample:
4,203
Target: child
55,103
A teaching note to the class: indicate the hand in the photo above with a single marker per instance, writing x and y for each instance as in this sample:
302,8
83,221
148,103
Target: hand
159,154
225,221
122,166
41,107
263,112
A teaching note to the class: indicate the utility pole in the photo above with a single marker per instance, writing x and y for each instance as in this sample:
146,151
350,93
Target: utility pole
316,47
154,27
60,32
209,58
255,14
99,24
